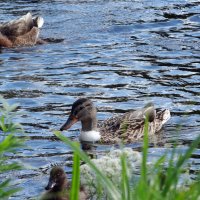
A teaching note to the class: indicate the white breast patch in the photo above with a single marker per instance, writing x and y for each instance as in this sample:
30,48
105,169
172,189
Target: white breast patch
89,136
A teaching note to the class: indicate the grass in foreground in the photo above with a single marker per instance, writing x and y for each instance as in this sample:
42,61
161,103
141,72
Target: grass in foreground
160,181
8,144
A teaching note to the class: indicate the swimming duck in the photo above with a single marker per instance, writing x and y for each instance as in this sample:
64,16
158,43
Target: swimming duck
59,188
128,127
21,32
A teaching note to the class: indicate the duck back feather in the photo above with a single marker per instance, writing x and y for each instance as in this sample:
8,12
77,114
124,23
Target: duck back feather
20,32
129,127
17,27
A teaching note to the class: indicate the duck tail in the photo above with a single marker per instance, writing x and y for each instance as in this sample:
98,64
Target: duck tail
38,21
165,116
26,17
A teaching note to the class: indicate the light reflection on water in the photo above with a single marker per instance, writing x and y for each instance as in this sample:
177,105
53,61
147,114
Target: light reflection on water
121,54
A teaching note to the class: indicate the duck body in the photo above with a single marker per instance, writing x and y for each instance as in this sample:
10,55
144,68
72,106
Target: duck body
59,188
21,32
128,127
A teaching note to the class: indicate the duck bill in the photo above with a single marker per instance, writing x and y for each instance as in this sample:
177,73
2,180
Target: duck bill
50,185
71,120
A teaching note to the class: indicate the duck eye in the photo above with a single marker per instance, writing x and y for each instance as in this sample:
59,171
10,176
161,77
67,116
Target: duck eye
81,107
87,105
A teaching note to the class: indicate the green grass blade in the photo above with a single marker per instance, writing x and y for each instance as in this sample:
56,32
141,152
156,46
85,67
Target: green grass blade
111,188
9,143
74,193
125,182
143,182
6,191
172,176
145,151
5,194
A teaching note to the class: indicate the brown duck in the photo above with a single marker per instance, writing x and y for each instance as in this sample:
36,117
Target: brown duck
21,32
128,127
59,188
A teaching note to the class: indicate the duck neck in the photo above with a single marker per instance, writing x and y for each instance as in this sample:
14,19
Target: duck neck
90,124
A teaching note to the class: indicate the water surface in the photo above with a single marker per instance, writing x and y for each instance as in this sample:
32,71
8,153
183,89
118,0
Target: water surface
120,54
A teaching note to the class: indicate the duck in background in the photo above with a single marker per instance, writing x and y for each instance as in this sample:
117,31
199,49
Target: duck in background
21,32
59,188
128,127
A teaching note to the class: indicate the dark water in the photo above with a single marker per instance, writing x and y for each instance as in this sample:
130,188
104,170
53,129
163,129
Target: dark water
121,54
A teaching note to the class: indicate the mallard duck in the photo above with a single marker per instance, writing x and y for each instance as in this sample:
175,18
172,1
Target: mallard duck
127,128
21,32
59,188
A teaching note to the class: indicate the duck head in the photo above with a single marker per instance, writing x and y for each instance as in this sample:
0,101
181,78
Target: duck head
57,179
83,110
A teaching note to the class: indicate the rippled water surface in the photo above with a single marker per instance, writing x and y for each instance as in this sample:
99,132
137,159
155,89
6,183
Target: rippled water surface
121,54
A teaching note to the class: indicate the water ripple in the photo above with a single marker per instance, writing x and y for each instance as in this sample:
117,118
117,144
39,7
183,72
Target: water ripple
121,54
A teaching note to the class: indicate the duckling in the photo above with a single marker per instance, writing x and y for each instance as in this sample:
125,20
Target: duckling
59,188
21,32
128,127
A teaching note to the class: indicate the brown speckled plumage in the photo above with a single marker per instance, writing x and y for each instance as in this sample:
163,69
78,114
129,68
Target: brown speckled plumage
21,32
128,127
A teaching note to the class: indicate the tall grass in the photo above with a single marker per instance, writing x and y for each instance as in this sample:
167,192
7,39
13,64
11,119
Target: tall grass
8,144
125,180
75,176
111,188
160,181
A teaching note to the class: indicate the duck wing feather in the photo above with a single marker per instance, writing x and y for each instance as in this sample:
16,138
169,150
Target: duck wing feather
129,127
17,27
